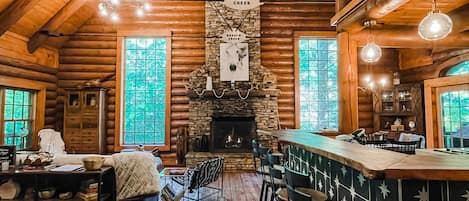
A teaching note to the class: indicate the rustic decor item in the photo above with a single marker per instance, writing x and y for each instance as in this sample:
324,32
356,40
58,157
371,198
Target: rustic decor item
9,190
242,4
234,62
93,162
84,120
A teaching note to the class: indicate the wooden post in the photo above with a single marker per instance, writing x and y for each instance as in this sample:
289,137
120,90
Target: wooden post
348,83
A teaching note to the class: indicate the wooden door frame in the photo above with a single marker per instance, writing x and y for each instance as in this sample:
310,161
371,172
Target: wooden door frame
39,100
119,81
433,131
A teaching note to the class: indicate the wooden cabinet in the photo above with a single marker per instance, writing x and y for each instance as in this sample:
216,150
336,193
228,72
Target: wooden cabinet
84,121
402,102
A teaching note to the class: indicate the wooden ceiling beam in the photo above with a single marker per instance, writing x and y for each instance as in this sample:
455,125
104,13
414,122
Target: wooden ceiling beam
14,12
459,17
353,15
407,37
54,23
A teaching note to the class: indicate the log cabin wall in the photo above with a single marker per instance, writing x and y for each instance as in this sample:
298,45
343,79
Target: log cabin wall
279,21
383,68
41,66
435,63
91,54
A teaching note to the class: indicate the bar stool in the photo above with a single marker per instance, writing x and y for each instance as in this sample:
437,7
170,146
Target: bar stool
301,182
294,195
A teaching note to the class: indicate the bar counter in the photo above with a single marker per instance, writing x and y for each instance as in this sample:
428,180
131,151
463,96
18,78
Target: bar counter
353,172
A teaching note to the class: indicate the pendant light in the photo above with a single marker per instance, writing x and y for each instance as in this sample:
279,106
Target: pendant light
371,52
435,25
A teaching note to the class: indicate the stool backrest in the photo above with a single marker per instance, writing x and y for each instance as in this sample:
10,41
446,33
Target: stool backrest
296,179
294,195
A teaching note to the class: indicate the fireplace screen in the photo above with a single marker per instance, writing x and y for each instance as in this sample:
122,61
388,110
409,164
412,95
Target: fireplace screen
232,134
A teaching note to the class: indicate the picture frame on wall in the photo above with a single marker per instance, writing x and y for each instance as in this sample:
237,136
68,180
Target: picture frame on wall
234,62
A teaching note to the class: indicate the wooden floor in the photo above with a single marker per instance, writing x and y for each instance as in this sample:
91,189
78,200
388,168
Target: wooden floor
237,187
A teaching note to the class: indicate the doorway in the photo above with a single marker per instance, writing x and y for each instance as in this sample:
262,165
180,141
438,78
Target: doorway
453,116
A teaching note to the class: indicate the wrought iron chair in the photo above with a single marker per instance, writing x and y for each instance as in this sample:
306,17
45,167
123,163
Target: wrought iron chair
302,183
202,176
294,195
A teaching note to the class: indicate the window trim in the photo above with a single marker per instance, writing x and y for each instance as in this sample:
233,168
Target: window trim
120,57
39,101
296,49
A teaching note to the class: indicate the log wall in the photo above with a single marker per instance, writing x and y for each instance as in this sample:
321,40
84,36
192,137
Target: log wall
279,21
383,68
91,54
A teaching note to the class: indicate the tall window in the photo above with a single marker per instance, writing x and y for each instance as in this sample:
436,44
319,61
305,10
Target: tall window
144,91
318,83
17,117
454,104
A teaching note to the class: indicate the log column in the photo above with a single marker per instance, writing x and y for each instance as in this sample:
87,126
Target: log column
348,83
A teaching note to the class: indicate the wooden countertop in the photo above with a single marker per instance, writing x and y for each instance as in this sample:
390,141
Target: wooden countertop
378,163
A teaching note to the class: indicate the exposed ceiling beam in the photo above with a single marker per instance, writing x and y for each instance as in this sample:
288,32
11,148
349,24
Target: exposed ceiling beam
14,12
39,38
459,17
407,37
353,15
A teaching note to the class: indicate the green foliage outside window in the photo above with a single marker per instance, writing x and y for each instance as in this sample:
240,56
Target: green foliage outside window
145,91
318,84
17,118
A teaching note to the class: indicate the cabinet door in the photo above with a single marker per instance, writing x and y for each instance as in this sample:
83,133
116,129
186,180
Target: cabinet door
73,103
90,101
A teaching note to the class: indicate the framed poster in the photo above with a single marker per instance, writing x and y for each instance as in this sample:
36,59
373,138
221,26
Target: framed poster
8,152
234,62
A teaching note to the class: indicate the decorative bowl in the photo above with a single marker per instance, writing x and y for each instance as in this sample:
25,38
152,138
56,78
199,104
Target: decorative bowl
93,162
46,193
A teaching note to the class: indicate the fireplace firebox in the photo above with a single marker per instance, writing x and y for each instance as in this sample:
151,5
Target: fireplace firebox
232,134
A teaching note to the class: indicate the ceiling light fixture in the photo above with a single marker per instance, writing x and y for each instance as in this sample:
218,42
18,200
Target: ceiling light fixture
436,25
109,8
371,52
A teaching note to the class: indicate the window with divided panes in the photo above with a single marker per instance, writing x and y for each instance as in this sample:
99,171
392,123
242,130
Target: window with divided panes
318,83
144,91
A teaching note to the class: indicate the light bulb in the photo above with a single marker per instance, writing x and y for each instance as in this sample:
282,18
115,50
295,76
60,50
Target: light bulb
147,6
383,82
435,26
139,12
114,17
104,12
371,52
115,2
367,79
371,85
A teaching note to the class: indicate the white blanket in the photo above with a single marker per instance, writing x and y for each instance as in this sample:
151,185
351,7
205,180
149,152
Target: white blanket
136,174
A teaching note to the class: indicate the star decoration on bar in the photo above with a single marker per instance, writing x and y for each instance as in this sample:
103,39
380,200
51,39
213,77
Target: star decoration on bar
336,181
331,191
384,190
352,192
320,185
423,195
343,170
344,199
466,195
361,179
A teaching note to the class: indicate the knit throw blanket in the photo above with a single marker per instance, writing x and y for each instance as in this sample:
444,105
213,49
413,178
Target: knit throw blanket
136,174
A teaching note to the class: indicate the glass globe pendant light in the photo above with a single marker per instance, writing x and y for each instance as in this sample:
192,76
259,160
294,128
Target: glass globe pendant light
435,25
371,52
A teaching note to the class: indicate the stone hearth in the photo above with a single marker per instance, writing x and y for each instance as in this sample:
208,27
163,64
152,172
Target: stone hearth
261,105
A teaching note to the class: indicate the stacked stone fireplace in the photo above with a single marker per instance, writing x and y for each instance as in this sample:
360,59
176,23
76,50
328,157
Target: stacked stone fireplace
225,126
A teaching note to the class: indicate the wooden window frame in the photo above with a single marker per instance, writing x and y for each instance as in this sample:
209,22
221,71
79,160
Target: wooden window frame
119,81
431,95
296,51
39,103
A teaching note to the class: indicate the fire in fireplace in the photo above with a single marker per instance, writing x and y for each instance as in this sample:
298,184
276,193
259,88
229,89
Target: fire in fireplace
232,134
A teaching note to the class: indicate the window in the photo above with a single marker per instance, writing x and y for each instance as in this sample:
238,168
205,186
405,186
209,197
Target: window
144,91
17,117
318,83
459,69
